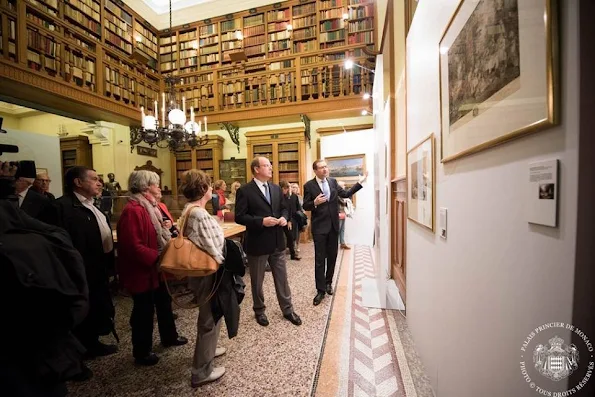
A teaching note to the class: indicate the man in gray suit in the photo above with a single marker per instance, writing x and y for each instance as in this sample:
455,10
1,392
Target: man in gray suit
260,207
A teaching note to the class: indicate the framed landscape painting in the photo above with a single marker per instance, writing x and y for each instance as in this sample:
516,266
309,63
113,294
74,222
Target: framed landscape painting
421,171
498,73
347,168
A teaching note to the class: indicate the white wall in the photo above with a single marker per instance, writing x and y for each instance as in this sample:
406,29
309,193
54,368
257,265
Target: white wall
44,150
360,228
472,299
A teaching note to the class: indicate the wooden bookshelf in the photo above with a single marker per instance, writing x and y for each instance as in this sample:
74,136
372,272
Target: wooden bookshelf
105,49
233,170
208,44
75,151
168,53
204,158
285,149
361,26
254,32
188,42
145,41
229,40
279,38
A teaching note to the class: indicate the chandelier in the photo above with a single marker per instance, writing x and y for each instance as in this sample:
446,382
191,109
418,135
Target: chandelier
174,131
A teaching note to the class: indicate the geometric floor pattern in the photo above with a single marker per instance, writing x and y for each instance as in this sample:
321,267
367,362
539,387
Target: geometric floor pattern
373,369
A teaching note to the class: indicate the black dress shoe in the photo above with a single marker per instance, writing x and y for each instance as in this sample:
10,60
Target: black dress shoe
84,375
294,318
329,289
296,258
99,350
175,316
148,360
262,319
318,298
179,341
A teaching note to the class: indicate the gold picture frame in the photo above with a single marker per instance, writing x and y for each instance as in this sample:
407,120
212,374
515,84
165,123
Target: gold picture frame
346,168
421,183
507,85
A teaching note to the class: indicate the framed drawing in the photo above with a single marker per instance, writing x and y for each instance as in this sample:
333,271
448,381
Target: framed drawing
498,73
347,168
421,171
146,151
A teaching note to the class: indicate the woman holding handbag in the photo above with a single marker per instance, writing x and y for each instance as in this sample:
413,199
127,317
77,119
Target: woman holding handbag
142,235
206,233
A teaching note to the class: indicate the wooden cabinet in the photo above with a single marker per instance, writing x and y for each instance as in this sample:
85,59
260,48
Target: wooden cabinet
75,151
286,150
232,170
204,158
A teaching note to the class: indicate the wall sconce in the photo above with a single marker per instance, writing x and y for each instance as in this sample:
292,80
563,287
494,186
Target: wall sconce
289,28
364,112
345,17
367,96
239,35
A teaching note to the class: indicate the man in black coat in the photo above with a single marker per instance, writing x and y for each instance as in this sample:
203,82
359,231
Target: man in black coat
30,201
260,207
43,295
321,196
92,237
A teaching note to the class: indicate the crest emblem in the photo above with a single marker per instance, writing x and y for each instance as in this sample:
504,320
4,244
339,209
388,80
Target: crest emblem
557,360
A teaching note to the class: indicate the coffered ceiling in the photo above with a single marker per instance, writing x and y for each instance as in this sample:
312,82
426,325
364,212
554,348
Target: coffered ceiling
156,12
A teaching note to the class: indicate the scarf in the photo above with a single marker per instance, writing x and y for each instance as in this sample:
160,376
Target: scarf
163,234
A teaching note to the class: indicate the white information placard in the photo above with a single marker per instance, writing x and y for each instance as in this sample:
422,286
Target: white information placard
542,193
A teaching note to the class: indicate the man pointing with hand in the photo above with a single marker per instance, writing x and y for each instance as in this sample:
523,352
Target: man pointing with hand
260,207
321,197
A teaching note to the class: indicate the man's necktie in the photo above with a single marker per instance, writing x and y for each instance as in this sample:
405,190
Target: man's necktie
325,189
267,193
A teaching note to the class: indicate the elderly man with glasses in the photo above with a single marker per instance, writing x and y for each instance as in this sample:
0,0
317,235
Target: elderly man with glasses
42,185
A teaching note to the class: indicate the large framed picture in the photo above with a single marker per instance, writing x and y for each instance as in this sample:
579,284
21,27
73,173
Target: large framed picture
421,171
347,168
498,73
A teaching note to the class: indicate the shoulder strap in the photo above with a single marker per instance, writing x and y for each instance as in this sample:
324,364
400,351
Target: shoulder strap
185,218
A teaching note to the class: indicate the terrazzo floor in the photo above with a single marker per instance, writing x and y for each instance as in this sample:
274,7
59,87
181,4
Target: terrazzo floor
355,352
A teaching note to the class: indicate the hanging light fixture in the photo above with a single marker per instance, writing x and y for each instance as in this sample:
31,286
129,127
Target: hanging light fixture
174,131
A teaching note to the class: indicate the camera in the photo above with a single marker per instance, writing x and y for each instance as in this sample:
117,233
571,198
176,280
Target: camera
3,147
12,170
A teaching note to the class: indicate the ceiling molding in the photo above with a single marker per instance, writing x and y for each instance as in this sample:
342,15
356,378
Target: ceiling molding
16,110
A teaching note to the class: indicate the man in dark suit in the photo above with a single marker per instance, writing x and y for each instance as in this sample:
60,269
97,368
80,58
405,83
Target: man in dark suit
30,201
321,196
92,236
260,207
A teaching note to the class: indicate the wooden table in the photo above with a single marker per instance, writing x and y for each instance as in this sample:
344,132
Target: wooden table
230,229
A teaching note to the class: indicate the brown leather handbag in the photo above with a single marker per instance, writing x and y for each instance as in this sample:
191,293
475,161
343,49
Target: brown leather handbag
182,258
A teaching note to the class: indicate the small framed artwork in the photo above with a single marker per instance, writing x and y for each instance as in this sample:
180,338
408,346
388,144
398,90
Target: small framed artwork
347,168
146,151
498,73
421,171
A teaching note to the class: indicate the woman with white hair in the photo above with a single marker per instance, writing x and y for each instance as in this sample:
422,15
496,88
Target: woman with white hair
142,235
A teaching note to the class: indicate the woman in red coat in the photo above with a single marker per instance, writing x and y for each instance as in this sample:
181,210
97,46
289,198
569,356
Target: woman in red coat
142,236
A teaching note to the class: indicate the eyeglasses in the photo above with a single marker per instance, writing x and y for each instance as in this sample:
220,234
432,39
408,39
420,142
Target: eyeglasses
44,180
266,165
